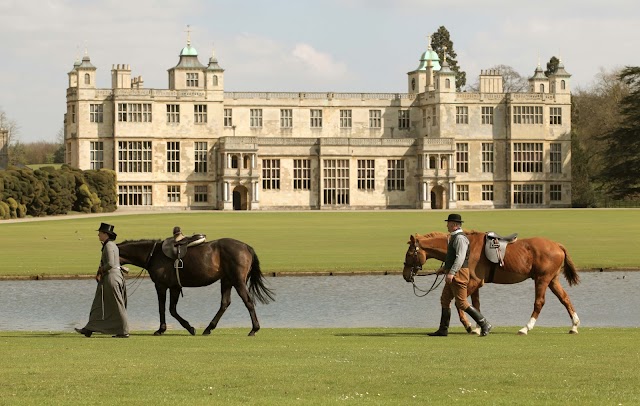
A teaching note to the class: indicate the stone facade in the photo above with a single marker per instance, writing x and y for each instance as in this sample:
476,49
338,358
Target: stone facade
4,148
197,146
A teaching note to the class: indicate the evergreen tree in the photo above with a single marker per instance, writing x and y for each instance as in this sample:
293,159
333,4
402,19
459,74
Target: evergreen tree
552,66
622,151
582,194
440,40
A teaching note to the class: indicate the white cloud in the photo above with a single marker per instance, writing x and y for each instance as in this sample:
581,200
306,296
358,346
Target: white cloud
319,62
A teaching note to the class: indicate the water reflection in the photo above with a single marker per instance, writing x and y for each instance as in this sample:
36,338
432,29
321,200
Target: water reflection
601,299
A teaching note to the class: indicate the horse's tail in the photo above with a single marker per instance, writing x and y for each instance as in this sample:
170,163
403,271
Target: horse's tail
257,288
570,271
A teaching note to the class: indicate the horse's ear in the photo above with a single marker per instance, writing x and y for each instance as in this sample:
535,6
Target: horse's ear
412,240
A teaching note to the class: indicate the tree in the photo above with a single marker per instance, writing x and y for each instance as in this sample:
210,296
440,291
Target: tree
440,41
552,66
582,194
622,144
10,125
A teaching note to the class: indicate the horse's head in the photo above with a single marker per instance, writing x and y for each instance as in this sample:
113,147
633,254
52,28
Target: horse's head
413,259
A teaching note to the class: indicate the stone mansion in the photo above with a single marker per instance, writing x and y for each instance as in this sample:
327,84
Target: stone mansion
196,146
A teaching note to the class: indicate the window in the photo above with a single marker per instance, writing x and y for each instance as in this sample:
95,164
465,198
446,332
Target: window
404,121
96,154
375,118
487,115
487,193
87,79
134,112
270,174
134,195
527,114
541,88
527,194
462,115
366,174
336,181
301,174
192,80
447,84
434,117
462,157
424,118
134,156
228,118
345,118
200,193
555,193
173,157
96,113
200,151
395,174
555,157
316,119
286,118
555,116
173,193
527,157
255,118
173,113
487,157
199,113
462,193
562,85
73,114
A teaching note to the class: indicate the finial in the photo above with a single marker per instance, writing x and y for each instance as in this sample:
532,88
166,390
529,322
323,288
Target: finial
429,43
188,35
444,53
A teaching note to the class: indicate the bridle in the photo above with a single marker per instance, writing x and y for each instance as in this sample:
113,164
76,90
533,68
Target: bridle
415,268
144,268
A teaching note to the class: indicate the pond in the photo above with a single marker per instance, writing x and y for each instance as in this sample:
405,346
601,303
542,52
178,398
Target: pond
601,299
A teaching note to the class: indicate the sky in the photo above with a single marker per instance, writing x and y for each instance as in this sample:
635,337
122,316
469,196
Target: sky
295,45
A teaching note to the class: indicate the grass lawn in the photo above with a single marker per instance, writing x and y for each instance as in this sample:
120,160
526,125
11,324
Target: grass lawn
324,366
317,241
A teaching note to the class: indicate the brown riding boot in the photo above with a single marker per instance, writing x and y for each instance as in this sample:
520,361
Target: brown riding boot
443,330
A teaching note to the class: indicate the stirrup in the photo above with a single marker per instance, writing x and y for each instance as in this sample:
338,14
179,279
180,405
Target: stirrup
178,264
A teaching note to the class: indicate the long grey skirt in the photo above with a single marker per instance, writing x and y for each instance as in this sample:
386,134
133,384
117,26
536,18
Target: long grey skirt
109,308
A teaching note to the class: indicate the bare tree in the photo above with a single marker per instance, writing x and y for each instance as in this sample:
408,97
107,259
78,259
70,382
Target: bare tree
512,81
10,125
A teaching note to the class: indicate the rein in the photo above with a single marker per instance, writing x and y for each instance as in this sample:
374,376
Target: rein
414,272
138,278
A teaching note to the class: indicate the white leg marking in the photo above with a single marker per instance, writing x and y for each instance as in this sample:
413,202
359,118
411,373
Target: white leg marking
576,324
524,330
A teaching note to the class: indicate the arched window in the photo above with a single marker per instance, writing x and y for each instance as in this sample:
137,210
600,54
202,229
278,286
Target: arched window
87,79
562,84
247,162
541,88
234,161
214,80
432,162
447,84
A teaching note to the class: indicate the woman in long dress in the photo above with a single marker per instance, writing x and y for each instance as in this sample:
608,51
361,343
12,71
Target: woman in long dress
109,309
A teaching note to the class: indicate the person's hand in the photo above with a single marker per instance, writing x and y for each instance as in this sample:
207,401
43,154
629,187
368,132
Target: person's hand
98,276
449,278
440,271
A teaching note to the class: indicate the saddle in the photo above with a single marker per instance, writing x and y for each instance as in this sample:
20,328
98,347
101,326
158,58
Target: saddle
495,246
177,250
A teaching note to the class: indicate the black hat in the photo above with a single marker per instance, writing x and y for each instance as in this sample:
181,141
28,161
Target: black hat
455,217
177,230
108,228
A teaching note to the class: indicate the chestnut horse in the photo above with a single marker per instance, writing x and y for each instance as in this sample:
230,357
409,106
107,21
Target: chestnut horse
230,261
537,258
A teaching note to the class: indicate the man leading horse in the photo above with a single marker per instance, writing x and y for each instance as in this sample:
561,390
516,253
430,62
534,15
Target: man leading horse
456,266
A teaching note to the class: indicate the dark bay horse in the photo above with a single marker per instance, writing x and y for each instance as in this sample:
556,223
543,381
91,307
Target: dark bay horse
537,258
230,261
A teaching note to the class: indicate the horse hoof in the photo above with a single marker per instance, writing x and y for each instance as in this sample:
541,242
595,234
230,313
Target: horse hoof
573,331
252,333
192,331
158,333
522,332
206,332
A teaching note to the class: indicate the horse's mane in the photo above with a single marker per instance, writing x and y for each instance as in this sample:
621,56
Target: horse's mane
135,241
435,234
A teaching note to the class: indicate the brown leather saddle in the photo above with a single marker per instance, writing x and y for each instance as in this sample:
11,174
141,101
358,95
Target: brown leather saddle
177,250
495,246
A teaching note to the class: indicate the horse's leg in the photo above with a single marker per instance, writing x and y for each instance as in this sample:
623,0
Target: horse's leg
541,288
225,301
162,303
173,304
562,295
243,292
